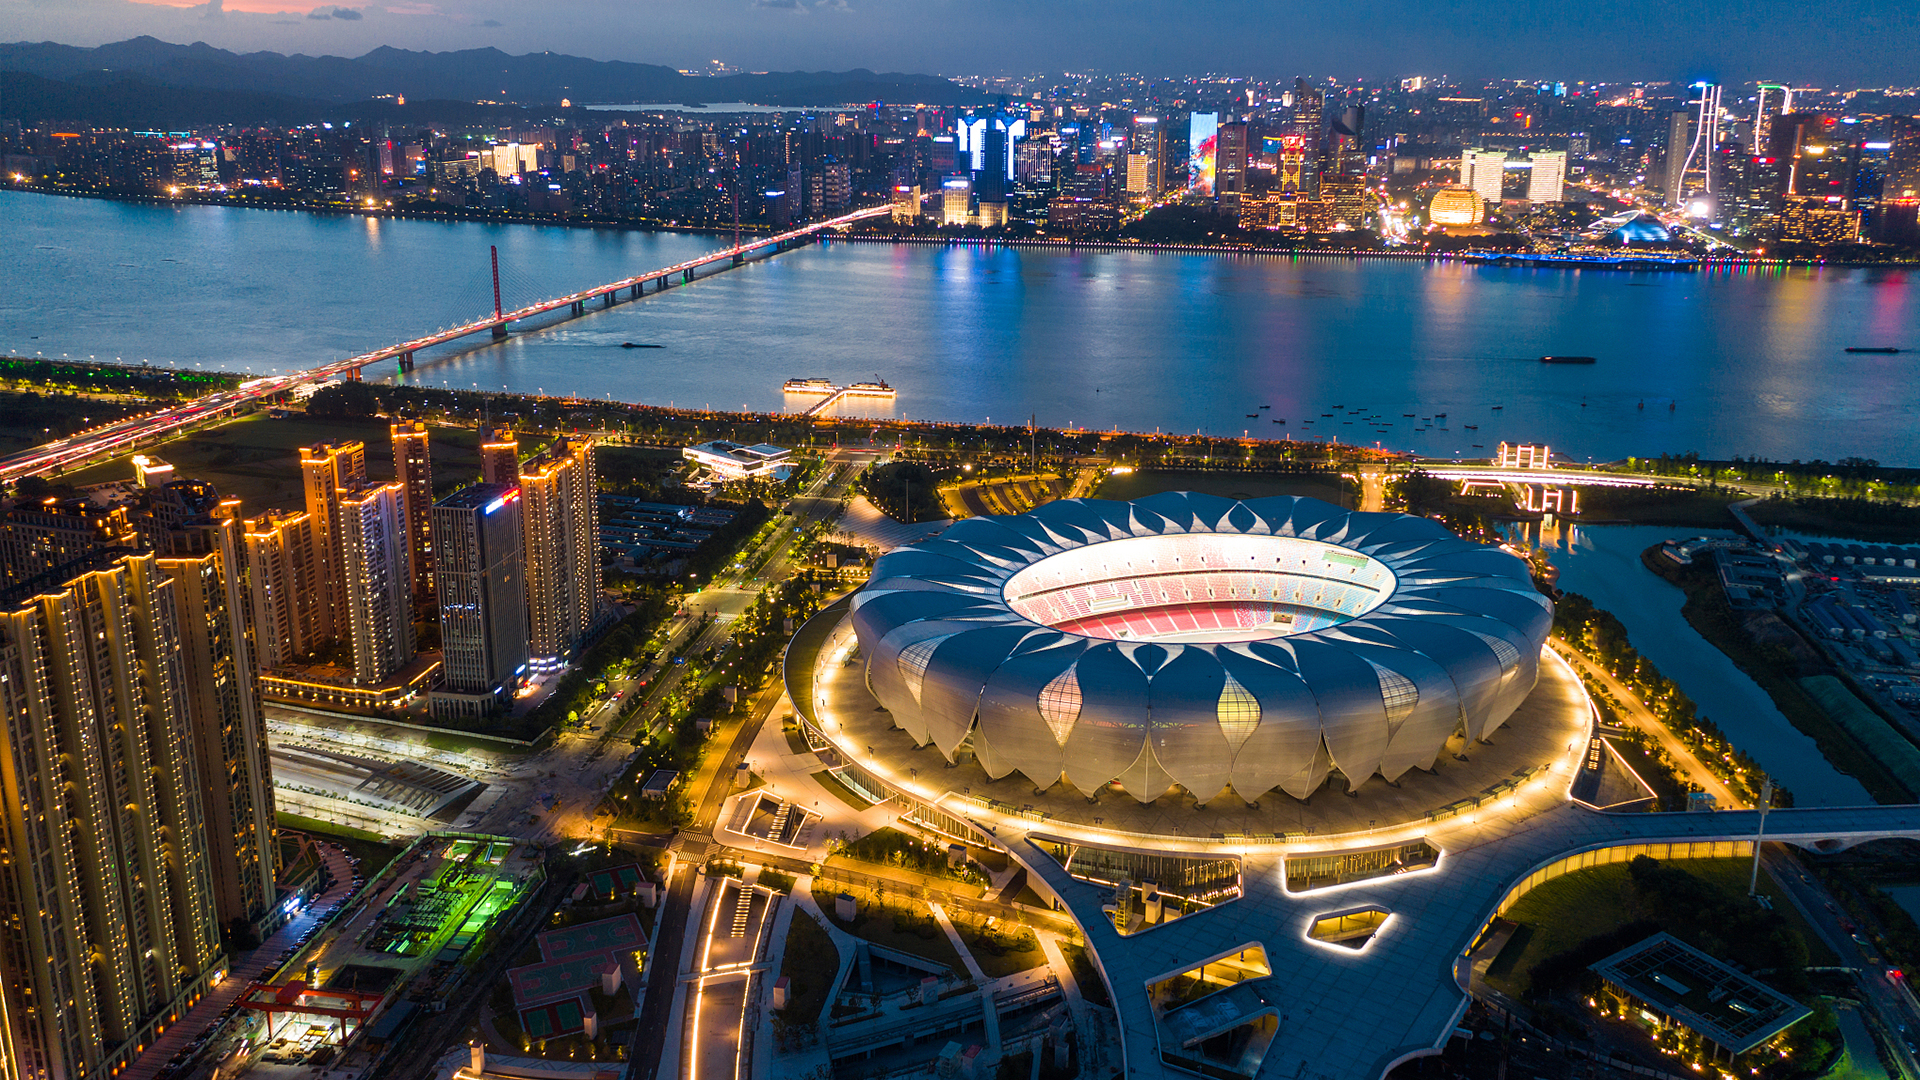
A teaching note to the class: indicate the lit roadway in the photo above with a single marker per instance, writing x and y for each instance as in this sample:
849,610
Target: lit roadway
121,435
579,768
1636,713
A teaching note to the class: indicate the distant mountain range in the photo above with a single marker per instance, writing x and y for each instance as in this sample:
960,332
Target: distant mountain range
112,78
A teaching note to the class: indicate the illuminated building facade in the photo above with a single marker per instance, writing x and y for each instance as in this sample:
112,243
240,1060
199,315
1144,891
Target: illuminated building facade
372,544
480,579
284,587
37,538
1203,134
108,922
1230,164
413,468
325,471
1903,158
1147,145
1814,219
906,204
1457,206
1484,171
1345,198
1286,210
1292,152
500,458
1679,141
206,560
560,508
1549,176
956,201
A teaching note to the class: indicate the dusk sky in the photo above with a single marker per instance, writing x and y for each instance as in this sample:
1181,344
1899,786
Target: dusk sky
1846,42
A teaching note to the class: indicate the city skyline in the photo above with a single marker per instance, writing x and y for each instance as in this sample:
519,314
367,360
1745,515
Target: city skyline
1870,42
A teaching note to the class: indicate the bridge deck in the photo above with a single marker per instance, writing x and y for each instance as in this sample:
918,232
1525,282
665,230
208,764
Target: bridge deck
124,434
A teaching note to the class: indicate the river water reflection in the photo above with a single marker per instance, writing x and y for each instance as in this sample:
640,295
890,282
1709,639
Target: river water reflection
1434,358
1602,563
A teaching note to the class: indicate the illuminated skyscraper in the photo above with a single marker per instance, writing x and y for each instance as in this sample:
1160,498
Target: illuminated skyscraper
499,458
1679,141
1695,168
1308,121
284,589
108,922
560,508
1549,176
1203,132
481,583
1230,164
372,542
1483,171
206,560
413,467
1771,100
956,201
1903,158
325,471
1147,143
906,204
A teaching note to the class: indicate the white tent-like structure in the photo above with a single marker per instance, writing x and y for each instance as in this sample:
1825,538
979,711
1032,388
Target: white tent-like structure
1192,640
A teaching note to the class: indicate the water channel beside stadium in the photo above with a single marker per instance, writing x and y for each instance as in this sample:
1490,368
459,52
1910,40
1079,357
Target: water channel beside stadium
1602,563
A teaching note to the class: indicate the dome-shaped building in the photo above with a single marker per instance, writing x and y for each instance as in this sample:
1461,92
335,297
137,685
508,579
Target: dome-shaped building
1456,205
1197,641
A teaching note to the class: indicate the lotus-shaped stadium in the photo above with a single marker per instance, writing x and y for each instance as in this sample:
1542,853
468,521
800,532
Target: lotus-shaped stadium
1197,641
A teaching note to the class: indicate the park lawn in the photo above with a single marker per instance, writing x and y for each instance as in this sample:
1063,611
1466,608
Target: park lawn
256,458
1002,950
1087,977
810,961
1226,484
1568,910
872,923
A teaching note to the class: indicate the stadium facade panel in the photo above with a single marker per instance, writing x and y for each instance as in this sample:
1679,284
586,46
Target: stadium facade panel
1191,640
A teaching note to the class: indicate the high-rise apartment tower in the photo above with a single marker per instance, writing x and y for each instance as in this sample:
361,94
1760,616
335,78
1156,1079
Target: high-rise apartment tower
480,579
559,506
108,922
413,468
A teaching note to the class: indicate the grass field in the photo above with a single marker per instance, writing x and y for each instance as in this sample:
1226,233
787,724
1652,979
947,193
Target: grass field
905,925
810,962
1568,910
1002,950
1230,485
257,458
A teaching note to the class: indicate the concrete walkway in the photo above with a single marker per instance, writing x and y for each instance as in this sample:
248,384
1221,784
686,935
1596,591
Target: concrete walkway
959,946
686,983
1093,1044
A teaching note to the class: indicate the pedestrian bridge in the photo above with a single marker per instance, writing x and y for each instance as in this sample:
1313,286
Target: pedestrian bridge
1349,1013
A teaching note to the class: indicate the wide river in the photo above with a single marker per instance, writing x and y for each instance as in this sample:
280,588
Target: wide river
1723,362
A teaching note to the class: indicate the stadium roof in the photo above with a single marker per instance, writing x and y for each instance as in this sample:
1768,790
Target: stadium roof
1260,644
